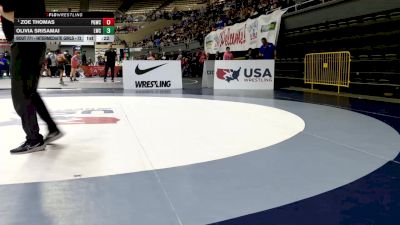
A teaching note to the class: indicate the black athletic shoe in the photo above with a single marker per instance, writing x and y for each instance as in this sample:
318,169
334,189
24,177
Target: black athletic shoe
28,147
105,80
53,136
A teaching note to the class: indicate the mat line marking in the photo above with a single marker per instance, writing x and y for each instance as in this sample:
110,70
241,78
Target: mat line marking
152,167
350,147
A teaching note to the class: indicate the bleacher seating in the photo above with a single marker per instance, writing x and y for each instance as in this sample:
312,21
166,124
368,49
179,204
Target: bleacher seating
104,5
61,5
74,5
144,7
371,39
184,5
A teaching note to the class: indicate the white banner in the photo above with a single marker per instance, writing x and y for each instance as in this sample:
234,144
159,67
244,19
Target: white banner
147,74
208,74
244,74
242,36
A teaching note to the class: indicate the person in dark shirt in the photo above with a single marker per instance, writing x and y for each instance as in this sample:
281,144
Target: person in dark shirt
26,60
8,58
68,57
61,61
84,59
267,50
218,56
251,54
4,64
110,56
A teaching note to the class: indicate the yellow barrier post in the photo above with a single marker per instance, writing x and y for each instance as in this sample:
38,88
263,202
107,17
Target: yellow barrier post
328,68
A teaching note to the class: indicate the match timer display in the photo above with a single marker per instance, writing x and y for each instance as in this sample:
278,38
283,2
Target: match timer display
66,27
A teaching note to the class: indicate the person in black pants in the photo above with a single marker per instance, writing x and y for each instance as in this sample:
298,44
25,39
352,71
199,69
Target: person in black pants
26,60
68,57
110,55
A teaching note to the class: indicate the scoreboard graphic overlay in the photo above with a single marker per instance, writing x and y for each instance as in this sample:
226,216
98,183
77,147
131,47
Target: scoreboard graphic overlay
66,27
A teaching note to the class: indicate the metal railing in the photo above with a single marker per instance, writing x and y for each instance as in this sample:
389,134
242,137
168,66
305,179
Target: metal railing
329,68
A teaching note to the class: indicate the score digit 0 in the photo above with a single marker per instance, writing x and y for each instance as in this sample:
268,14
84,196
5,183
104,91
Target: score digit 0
108,21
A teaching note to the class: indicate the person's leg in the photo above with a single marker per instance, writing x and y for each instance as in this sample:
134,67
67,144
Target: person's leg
47,71
106,72
73,74
53,71
68,70
25,77
43,112
53,132
61,72
112,72
21,92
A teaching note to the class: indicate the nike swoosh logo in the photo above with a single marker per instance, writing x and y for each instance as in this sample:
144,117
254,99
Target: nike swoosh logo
141,72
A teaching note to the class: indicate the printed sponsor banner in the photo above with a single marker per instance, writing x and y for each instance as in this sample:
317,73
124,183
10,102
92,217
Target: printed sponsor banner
208,74
242,36
90,71
147,74
244,74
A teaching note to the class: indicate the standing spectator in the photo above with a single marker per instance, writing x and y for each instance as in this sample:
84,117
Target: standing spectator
84,59
228,54
61,61
151,56
187,42
202,59
7,55
68,63
200,38
219,24
267,50
8,58
75,61
251,54
3,65
52,63
194,65
89,62
110,56
185,67
163,56
157,43
218,56
100,61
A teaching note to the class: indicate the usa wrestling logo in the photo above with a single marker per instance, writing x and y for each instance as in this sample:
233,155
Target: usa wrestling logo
228,74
